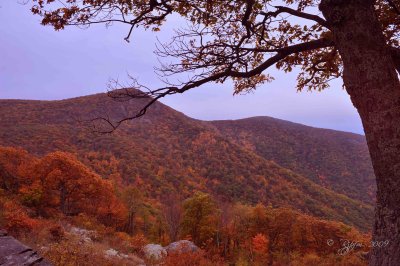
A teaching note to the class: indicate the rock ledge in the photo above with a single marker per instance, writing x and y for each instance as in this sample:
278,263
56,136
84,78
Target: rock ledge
13,252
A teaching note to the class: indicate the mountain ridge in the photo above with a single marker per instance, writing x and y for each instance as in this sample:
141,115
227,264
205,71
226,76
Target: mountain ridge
285,121
197,119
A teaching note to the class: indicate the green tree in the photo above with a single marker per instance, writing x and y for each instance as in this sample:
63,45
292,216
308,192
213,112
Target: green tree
134,201
357,40
200,218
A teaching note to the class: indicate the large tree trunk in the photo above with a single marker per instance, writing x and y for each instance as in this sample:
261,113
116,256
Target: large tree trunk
371,80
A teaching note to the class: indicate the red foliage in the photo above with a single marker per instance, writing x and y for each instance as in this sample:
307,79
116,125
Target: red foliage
16,219
191,259
260,244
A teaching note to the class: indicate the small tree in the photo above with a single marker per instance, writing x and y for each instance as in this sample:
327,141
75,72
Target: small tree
172,214
133,200
200,217
260,245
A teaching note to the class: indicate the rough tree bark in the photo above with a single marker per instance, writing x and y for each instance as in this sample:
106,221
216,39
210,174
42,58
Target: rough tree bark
371,80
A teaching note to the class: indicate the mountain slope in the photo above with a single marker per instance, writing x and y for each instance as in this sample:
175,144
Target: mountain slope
167,152
336,160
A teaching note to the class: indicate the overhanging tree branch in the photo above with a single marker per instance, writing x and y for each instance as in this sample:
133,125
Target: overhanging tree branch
283,9
281,54
155,95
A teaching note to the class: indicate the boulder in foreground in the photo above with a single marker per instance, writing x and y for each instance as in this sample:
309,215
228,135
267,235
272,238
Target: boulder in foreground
154,251
13,252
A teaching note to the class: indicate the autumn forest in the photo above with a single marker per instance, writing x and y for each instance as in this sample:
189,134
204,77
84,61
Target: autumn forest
240,195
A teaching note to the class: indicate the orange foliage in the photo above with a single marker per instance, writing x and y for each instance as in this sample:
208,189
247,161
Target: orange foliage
138,242
59,187
191,258
15,217
260,247
14,164
260,243
58,182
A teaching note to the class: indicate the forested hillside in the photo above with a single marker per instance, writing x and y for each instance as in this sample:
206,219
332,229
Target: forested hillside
336,160
166,152
72,216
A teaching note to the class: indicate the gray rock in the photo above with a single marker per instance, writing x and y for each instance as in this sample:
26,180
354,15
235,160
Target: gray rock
181,246
13,252
154,251
111,253
85,235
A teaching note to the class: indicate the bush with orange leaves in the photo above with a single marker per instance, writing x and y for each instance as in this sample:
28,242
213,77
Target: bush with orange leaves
198,258
59,184
14,217
138,241
72,252
260,246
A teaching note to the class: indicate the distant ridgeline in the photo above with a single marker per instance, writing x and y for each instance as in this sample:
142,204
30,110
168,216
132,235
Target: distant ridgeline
324,173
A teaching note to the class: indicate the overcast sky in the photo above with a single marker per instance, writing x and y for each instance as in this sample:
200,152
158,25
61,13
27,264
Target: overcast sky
38,63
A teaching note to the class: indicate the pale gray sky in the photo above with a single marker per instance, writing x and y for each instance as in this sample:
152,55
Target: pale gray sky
38,63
